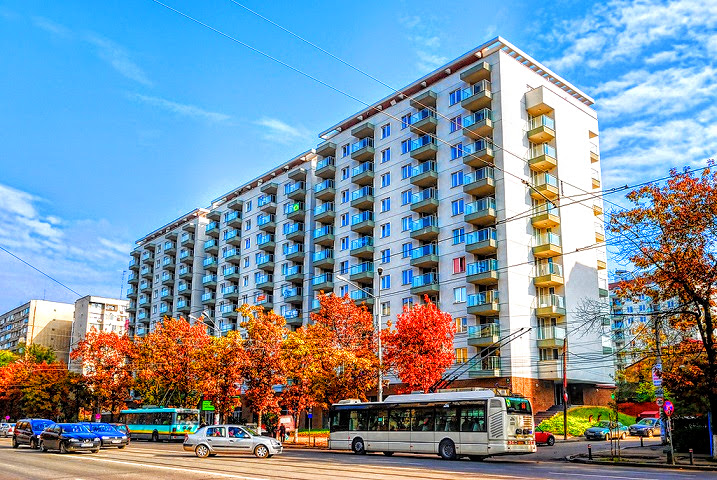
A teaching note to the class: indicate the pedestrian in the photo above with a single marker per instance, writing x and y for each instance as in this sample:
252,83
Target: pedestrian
203,424
282,432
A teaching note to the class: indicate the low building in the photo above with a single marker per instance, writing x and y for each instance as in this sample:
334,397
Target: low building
38,322
99,313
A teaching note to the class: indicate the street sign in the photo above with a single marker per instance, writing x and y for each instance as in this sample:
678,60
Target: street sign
659,392
98,417
660,401
7,417
207,406
669,408
657,375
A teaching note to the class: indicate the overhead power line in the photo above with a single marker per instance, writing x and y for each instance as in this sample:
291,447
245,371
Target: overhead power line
39,271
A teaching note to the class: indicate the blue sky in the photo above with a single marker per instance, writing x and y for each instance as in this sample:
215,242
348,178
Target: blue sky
116,117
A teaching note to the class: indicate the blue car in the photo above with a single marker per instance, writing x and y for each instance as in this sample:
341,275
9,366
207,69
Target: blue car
69,437
109,435
647,427
28,430
605,430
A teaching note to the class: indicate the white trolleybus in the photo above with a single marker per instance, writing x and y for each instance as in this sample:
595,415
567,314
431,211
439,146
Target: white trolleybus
476,424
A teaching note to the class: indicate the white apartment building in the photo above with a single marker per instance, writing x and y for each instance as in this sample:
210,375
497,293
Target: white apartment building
38,322
477,185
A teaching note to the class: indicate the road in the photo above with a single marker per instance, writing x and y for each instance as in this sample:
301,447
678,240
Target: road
145,461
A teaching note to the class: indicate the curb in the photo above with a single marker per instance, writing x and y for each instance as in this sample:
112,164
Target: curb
705,468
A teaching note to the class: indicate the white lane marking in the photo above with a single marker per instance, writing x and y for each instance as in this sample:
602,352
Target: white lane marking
602,476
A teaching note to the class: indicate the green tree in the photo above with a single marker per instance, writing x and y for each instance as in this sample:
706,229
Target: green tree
7,357
38,353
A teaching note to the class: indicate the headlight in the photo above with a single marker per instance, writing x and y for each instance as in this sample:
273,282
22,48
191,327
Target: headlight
74,440
104,437
97,440
518,431
124,437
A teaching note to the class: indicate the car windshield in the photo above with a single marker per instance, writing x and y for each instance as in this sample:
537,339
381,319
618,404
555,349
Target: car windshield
646,421
41,425
603,424
71,428
251,431
121,428
102,427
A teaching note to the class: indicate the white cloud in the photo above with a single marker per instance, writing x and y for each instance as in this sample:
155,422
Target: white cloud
50,26
275,130
426,41
16,202
118,58
184,110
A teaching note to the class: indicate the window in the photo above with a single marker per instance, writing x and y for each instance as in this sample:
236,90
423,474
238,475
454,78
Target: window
407,277
245,281
385,230
344,267
406,146
456,151
461,324
247,225
406,172
461,355
246,262
406,223
459,265
405,121
343,290
345,173
406,197
385,155
456,179
386,204
454,97
386,130
457,207
385,308
456,123
344,219
248,206
472,417
385,282
344,243
247,243
385,179
459,295
386,255
406,249
345,150
344,196
459,235
407,302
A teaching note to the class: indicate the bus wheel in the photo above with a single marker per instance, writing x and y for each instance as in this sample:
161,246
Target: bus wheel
155,436
477,458
358,447
447,450
388,454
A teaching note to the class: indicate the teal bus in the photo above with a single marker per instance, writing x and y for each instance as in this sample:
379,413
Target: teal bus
159,423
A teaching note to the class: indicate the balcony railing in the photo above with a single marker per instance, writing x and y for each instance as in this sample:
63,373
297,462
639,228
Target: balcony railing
229,234
480,174
320,187
549,268
291,314
477,146
542,121
292,292
292,249
361,192
263,239
542,149
552,300
361,242
488,330
425,279
361,268
422,141
211,278
423,250
479,116
547,238
480,205
325,230
228,217
551,333
290,188
479,87
211,243
424,195
361,294
232,252
290,228
211,226
482,235
262,220
544,208
228,308
263,259
326,207
209,261
429,221
545,179
483,298
364,167
420,115
266,199
423,168
322,255
363,143
290,208
361,217
324,277
325,162
482,266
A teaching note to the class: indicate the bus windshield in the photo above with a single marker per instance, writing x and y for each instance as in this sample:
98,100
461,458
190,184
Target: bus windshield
518,405
187,418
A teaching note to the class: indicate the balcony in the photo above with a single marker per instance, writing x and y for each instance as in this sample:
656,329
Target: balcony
184,288
265,282
425,201
209,281
315,305
484,303
541,129
211,246
231,273
550,306
594,154
264,300
323,282
166,293
543,157
481,212
132,277
266,242
544,186
362,222
132,307
134,264
549,369
536,103
426,284
425,99
482,242
362,272
293,295
168,263
266,223
212,229
146,272
298,174
363,149
145,286
232,255
270,187
295,273
597,209
325,190
233,237
599,232
214,215
364,296
478,125
183,306
169,248
267,203
295,190
229,310
423,148
478,154
131,291
233,219
487,367
551,337
326,168
209,298
476,96
476,73
363,174
545,216
547,245
483,272
480,183
186,240
185,272
230,292
210,263
548,274
325,213
326,149
295,211
362,198
324,236
595,178
425,228
294,231
265,262
293,316
364,130
324,259
362,248
601,260
167,279
425,174
423,121
425,256
294,252
235,204
148,257
483,335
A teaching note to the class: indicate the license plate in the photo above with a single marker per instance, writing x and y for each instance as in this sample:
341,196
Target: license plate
87,444
520,442
116,441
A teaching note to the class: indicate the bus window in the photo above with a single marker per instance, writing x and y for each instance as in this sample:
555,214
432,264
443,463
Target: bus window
340,420
399,420
423,419
358,420
378,420
446,420
518,405
473,418
187,419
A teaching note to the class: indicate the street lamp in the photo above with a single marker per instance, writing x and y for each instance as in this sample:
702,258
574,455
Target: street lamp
205,315
377,313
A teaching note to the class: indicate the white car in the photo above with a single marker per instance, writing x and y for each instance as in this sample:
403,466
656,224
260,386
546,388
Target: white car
6,429
214,439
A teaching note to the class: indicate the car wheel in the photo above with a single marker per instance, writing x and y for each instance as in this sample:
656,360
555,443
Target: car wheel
388,454
96,450
14,442
121,447
447,450
155,436
33,443
358,446
551,441
649,433
42,446
261,451
202,451
63,448
623,436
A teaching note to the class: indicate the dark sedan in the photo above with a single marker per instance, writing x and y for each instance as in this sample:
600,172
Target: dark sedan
69,437
647,427
109,435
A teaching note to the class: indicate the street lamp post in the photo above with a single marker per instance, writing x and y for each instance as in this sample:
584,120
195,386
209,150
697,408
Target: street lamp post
201,318
377,313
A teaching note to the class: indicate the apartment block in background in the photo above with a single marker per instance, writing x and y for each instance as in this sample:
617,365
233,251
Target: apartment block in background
38,322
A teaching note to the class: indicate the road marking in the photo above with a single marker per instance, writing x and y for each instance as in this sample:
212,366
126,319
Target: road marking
602,476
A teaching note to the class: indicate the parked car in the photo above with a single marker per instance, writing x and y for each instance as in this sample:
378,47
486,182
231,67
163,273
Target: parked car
109,435
6,429
543,437
605,430
214,439
28,430
647,427
124,429
69,437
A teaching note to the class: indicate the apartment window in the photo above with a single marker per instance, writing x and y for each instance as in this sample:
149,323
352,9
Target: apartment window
343,290
454,97
154,309
459,265
246,262
461,355
385,155
456,151
385,282
407,277
407,302
247,243
386,204
457,207
459,295
461,324
406,146
456,179
385,308
406,197
344,196
406,172
345,150
344,267
405,121
386,255
406,249
245,281
344,219
247,225
385,230
459,235
386,130
344,243
456,123
386,179
247,206
406,223
345,173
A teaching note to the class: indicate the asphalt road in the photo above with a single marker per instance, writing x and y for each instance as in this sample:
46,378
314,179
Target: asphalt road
145,461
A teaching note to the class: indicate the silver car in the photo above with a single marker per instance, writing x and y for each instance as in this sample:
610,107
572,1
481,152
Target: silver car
214,439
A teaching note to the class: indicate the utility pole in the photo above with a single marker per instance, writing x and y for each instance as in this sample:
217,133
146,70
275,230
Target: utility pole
658,389
565,388
380,352
122,284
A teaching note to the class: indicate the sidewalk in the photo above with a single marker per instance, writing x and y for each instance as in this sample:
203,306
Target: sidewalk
647,456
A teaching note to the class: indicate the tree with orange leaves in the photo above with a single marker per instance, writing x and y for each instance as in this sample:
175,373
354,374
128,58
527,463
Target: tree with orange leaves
420,348
670,235
104,359
225,362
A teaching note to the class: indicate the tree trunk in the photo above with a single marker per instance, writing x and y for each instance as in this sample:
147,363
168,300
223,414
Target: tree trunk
258,425
297,415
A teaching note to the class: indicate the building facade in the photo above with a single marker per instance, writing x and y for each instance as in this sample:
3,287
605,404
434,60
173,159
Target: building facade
38,322
476,185
98,313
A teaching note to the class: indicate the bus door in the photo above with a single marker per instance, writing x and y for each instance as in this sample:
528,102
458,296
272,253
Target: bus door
377,435
399,426
447,426
474,427
423,430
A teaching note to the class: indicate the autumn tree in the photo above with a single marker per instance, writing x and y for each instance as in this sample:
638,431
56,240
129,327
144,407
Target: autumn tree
420,347
104,358
670,235
300,369
225,362
7,357
38,353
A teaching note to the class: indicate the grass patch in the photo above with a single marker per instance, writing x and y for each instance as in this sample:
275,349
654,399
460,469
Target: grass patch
305,431
578,420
